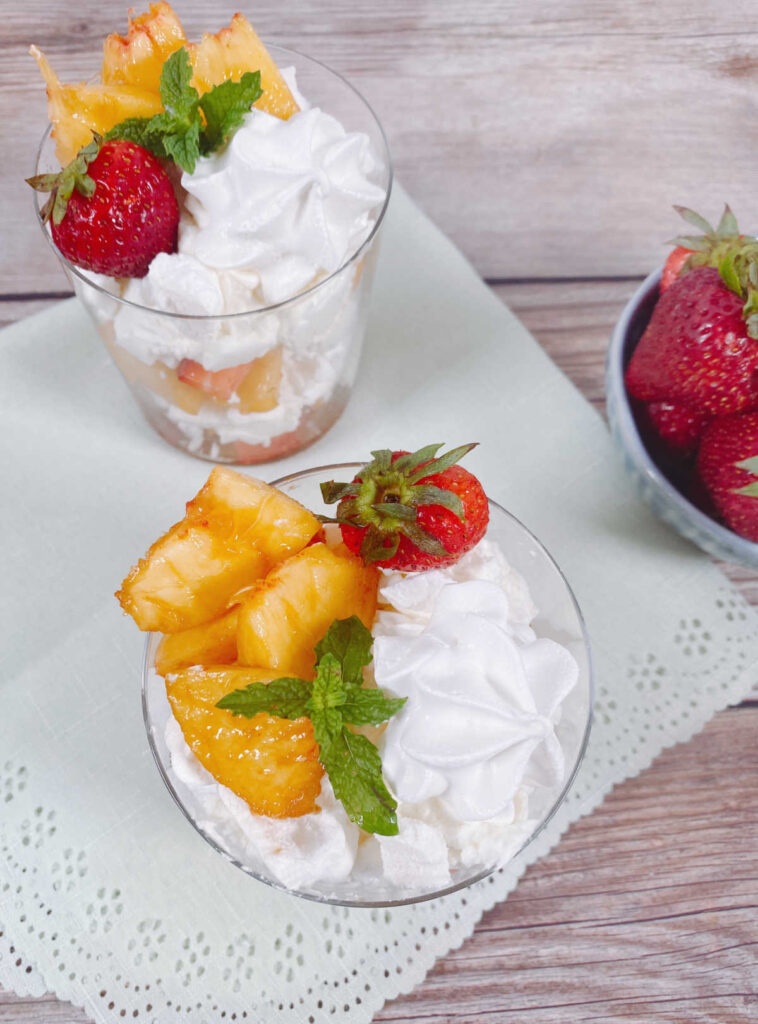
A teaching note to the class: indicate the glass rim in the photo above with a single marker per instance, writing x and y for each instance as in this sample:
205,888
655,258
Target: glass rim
77,272
448,890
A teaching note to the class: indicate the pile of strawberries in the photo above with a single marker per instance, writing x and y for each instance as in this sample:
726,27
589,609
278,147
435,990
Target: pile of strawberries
694,372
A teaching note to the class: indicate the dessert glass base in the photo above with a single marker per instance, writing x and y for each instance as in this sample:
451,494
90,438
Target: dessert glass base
559,618
263,382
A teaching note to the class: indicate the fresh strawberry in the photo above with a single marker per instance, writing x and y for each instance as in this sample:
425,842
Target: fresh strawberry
112,209
674,266
699,349
218,383
677,426
411,511
707,249
727,464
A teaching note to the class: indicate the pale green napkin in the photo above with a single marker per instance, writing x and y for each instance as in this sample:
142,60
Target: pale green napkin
107,895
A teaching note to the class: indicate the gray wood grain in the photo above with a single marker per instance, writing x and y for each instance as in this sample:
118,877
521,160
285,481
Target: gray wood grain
548,139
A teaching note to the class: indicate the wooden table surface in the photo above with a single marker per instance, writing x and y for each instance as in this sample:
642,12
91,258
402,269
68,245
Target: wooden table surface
549,140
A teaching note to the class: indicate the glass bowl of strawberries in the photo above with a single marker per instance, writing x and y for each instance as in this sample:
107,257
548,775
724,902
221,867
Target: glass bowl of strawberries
682,389
217,207
361,719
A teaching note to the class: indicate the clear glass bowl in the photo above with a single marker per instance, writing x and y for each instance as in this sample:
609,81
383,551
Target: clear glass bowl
559,618
303,353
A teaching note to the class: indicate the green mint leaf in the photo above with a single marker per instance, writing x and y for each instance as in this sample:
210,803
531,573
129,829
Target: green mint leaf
179,98
369,707
328,688
283,698
183,146
349,643
140,131
225,106
354,767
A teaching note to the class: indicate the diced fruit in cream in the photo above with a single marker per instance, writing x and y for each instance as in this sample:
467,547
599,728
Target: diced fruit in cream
137,58
233,51
212,643
235,530
78,109
287,613
219,383
271,763
259,391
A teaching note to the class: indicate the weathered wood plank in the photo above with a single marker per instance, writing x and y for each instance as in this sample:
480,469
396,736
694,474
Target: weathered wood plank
547,139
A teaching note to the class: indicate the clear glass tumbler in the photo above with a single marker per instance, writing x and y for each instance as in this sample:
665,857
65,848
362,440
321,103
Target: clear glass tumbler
559,618
291,366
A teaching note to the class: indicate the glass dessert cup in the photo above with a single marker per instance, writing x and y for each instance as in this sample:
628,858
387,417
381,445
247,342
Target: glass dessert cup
559,618
294,362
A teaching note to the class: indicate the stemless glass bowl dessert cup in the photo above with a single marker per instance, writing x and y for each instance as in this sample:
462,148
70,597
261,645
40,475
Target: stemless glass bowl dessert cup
559,618
311,342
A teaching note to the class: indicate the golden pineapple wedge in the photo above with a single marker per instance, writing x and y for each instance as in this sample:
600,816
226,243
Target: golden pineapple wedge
235,530
137,58
78,109
131,72
233,51
259,391
286,614
212,643
272,763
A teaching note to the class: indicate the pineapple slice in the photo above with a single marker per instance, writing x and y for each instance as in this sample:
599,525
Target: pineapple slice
235,530
213,643
137,58
287,613
79,109
259,391
271,763
233,51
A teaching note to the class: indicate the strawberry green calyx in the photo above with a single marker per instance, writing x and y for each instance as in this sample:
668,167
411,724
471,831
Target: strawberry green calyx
734,255
386,496
750,466
61,185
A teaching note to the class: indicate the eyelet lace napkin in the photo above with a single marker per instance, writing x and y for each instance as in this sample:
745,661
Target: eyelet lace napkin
107,896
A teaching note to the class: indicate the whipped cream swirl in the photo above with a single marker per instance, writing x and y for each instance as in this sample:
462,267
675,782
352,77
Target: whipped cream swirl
483,698
292,199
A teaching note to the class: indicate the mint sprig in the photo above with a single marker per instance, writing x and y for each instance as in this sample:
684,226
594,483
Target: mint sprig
335,699
190,125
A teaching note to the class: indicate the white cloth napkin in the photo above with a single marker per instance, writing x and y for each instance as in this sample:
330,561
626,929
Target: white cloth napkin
107,895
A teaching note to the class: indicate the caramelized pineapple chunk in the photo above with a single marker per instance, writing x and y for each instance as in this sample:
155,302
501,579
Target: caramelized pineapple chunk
287,613
78,109
272,763
235,530
259,390
212,643
233,51
137,58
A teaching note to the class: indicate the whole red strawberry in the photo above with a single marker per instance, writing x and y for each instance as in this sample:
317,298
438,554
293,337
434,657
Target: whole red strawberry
727,465
674,266
697,351
677,426
411,511
112,209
